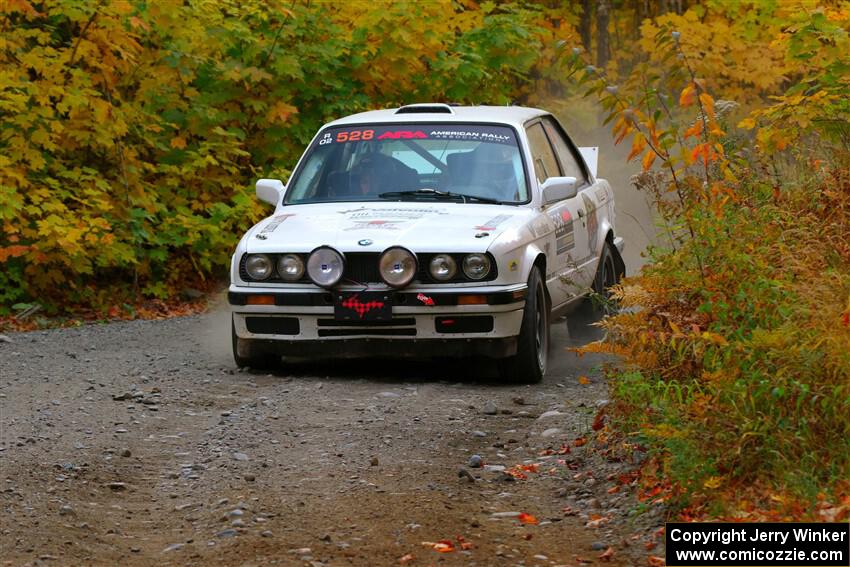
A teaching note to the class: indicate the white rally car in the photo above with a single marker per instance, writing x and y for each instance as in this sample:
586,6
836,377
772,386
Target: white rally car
427,230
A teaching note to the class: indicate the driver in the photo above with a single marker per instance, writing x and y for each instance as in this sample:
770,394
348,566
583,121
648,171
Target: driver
495,164
364,176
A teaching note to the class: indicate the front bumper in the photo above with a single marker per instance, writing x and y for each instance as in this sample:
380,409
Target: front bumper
300,322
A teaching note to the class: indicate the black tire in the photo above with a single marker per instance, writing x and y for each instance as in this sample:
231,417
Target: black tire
607,275
262,361
528,365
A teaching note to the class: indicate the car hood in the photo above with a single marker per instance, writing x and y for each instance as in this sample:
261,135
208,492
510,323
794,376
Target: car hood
365,227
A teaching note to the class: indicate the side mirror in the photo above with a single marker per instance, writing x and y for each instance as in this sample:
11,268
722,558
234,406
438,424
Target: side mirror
559,188
270,191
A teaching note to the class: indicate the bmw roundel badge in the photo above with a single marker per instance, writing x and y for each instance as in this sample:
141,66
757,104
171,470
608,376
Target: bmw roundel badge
364,242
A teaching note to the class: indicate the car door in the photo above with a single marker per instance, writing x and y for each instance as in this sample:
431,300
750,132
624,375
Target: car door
565,242
586,252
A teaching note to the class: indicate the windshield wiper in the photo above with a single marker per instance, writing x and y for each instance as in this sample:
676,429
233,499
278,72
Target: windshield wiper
437,194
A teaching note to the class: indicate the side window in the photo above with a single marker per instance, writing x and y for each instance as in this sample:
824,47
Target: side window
545,164
565,155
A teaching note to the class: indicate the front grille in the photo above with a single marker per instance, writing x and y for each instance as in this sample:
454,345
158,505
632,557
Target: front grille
273,325
397,322
362,267
391,332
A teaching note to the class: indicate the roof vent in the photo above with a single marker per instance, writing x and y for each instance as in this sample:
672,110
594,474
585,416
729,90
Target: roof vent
426,108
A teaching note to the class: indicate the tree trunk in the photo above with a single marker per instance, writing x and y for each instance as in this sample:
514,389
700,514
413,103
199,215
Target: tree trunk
584,24
602,33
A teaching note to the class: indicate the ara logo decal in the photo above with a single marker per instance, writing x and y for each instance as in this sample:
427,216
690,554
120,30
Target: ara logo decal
425,299
403,135
359,307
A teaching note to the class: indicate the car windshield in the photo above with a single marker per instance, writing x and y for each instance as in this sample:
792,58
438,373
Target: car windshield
411,161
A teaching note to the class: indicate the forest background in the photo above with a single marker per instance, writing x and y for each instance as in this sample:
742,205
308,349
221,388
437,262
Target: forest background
131,134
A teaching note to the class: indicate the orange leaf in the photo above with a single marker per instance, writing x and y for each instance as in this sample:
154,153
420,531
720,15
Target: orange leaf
580,441
707,104
178,142
607,554
694,130
638,146
583,380
688,96
648,160
12,252
655,561
528,519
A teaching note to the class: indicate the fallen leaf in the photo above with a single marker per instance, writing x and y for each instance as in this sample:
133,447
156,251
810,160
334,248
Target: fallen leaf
597,522
443,546
607,554
406,558
598,421
580,441
655,561
528,519
583,380
582,559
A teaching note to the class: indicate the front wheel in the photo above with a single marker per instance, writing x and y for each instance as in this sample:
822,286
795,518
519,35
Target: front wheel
528,365
262,361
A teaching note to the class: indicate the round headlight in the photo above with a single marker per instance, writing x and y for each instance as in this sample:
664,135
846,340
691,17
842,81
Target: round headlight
442,267
325,266
476,266
258,266
397,266
290,267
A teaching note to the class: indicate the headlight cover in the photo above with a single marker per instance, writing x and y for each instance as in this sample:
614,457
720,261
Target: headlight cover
397,266
476,266
325,266
259,266
442,267
290,267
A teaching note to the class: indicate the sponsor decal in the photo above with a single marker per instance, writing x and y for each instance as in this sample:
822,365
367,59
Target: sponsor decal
498,137
565,238
592,223
540,226
493,223
272,226
513,265
354,135
602,194
377,224
359,307
393,213
403,135
426,300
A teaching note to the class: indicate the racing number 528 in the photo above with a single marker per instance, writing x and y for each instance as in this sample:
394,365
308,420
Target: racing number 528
355,135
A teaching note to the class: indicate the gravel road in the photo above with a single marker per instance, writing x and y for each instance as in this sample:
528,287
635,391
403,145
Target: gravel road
140,443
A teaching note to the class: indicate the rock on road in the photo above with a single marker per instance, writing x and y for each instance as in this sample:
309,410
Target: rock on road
140,443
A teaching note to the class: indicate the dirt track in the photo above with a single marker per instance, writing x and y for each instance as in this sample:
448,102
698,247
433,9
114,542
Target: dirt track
139,443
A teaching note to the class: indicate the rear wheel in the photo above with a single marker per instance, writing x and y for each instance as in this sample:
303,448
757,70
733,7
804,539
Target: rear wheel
528,365
599,303
257,361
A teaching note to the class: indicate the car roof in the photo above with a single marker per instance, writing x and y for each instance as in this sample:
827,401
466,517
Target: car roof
439,112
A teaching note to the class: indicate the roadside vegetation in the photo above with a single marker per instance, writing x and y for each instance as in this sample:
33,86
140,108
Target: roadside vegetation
131,134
